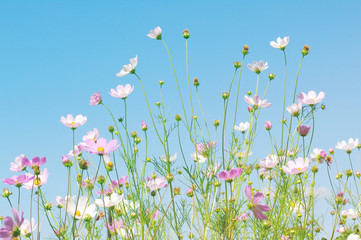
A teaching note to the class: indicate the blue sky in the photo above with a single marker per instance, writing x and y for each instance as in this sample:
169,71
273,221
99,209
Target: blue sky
55,54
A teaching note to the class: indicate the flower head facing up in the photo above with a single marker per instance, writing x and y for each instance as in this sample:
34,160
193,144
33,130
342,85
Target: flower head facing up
353,236
349,146
38,181
229,176
18,165
303,130
300,165
18,181
156,33
11,228
203,151
35,162
281,43
157,183
121,91
69,121
109,201
242,127
171,158
258,67
95,99
311,98
256,208
93,135
130,68
295,109
256,102
101,146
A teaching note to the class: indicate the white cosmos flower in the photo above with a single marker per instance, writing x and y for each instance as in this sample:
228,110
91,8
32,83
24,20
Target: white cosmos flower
121,91
242,127
295,109
352,214
353,236
197,157
258,67
130,68
171,158
281,43
298,208
348,147
156,33
109,201
82,210
25,228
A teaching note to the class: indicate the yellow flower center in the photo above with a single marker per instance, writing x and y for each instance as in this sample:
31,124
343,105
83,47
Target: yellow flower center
100,149
37,182
299,169
72,123
77,213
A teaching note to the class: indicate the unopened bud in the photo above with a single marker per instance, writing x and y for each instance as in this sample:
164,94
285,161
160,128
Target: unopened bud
216,123
177,191
186,34
305,50
101,179
178,117
271,76
225,95
170,177
111,129
245,50
237,64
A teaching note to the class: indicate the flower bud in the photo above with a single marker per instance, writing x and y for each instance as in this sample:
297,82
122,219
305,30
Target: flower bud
195,82
323,107
144,126
186,34
101,179
137,140
120,120
48,206
245,50
36,170
178,117
339,175
191,235
250,109
271,76
237,64
190,192
170,177
111,129
176,191
133,134
6,193
314,169
331,151
216,123
161,83
349,173
157,104
148,159
79,178
358,174
257,166
225,95
109,166
116,132
83,164
305,50
179,171
268,125
126,184
66,161
267,224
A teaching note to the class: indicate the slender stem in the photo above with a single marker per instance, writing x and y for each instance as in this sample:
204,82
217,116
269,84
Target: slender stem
284,96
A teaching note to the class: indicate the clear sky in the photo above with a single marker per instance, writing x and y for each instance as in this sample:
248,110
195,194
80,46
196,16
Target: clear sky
55,54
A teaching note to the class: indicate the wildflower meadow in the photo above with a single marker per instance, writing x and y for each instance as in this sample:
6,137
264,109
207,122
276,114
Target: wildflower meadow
172,160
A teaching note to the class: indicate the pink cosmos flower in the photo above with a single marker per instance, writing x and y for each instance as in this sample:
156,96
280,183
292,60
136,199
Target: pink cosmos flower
95,99
121,91
60,202
117,228
269,162
318,155
268,125
93,135
229,176
296,167
256,102
88,182
303,130
35,161
144,126
156,184
256,208
36,182
76,151
243,217
120,182
295,109
101,147
18,181
10,229
18,165
130,68
311,98
69,121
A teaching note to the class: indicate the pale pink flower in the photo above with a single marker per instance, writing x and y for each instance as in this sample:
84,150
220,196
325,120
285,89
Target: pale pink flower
256,102
311,98
88,182
295,109
95,99
35,161
121,91
257,209
76,151
144,126
268,125
156,33
156,184
120,182
303,130
242,127
69,121
281,43
243,217
130,68
101,146
60,202
349,146
353,236
93,135
171,158
257,67
331,151
318,155
18,181
37,181
212,170
109,201
269,162
25,228
229,176
300,165
285,237
204,151
342,230
18,165
117,228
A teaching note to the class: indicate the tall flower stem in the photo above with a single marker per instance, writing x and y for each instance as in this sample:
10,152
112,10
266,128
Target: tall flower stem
284,96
